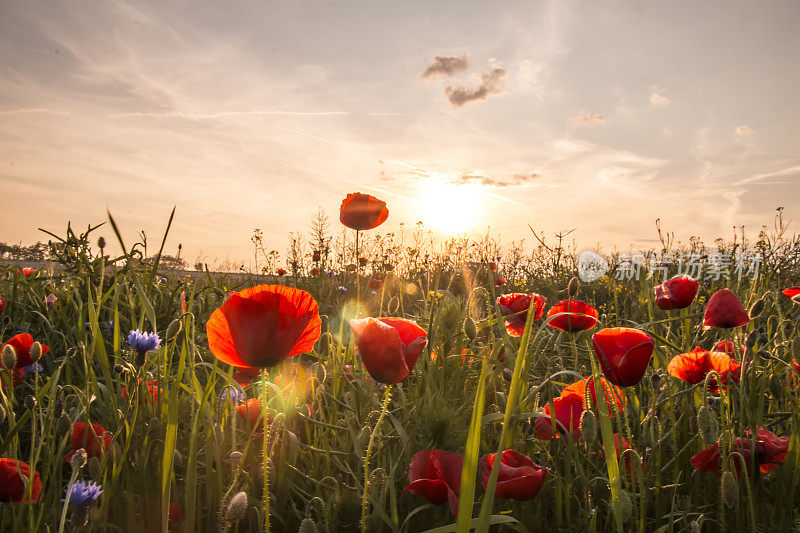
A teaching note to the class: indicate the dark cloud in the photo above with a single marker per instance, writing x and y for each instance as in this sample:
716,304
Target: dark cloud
446,65
490,84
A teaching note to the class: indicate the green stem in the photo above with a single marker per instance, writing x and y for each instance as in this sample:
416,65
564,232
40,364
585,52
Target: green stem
386,395
265,450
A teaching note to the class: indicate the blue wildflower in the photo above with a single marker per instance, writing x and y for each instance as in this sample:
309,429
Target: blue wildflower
83,494
342,289
34,368
330,272
234,394
143,342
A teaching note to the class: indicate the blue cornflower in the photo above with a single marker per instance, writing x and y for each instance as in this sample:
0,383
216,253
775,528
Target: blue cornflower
330,272
342,289
33,368
234,394
83,494
143,342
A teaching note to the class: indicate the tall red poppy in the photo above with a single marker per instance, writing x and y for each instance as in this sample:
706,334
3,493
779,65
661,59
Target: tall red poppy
262,326
22,346
792,293
573,315
724,310
3,305
677,292
514,306
567,410
436,476
519,478
362,211
14,477
693,367
91,437
624,354
769,451
389,347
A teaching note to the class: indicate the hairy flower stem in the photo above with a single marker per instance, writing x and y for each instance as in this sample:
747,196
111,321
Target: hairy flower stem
358,275
72,478
386,395
265,450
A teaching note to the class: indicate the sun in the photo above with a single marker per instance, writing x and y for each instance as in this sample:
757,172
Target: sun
449,208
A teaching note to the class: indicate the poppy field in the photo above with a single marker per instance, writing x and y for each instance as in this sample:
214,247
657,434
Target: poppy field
399,388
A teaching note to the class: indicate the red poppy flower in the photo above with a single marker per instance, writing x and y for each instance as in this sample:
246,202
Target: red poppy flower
575,315
436,476
262,326
173,513
389,347
281,272
568,410
250,411
726,346
724,310
615,400
183,301
677,292
517,304
769,451
499,281
693,367
792,293
362,211
91,437
375,284
27,271
14,477
22,346
315,256
152,388
315,271
3,305
245,375
519,478
624,354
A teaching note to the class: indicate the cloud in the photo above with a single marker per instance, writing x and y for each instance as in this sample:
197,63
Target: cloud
489,181
446,65
587,119
658,100
489,84
744,130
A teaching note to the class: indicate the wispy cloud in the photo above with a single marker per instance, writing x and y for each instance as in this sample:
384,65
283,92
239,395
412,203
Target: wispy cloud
659,100
489,84
744,130
586,119
446,65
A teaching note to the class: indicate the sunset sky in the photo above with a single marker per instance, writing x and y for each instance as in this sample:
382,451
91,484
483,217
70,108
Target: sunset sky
600,116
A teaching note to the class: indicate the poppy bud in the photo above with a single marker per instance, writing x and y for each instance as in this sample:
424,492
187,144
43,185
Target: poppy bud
177,459
78,460
235,457
101,243
291,447
730,490
237,507
572,288
9,357
64,424
756,308
589,426
508,374
776,386
174,328
140,358
307,526
501,400
708,425
751,339
36,351
655,380
763,354
363,437
626,504
469,329
94,467
59,407
119,369
30,402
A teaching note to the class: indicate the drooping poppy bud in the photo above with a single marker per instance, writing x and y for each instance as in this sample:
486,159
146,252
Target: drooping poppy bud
624,354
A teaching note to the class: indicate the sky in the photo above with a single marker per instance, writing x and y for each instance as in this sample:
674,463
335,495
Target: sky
598,116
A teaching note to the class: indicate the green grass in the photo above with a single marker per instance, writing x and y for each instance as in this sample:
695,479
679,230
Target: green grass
191,448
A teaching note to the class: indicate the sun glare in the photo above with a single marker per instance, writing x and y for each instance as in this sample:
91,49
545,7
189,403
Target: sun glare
449,208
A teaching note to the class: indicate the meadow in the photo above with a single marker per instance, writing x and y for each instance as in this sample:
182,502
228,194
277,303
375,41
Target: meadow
368,382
